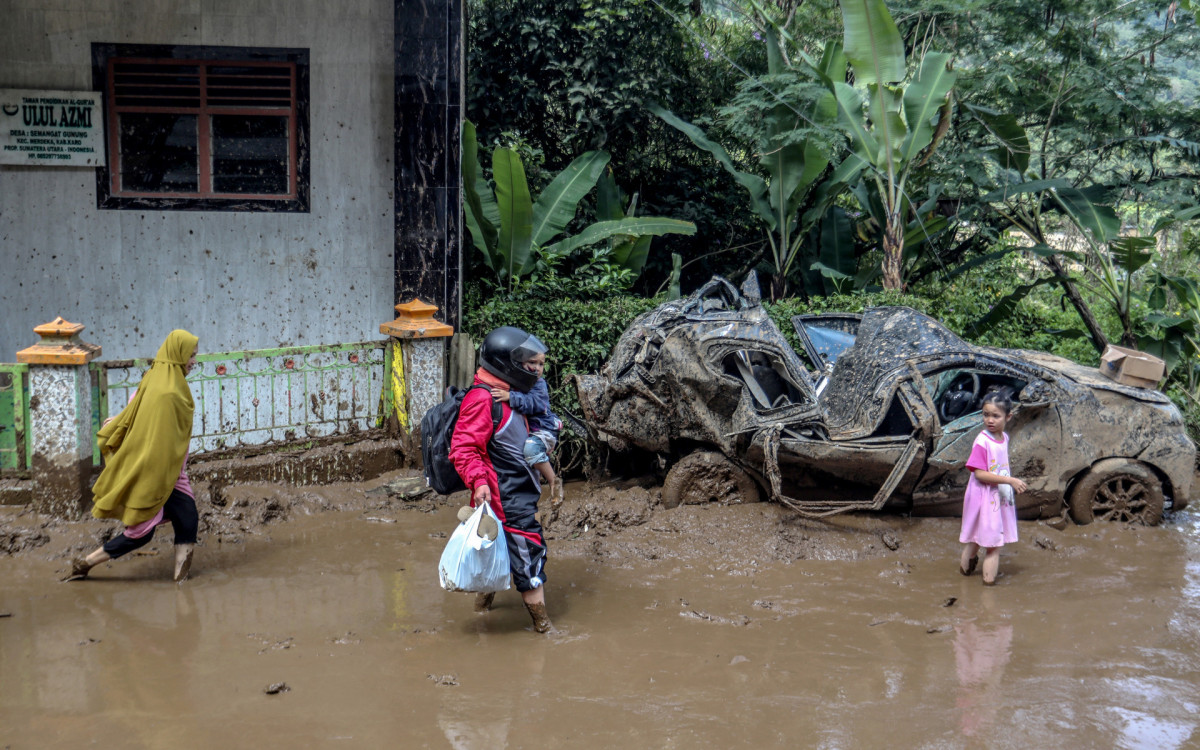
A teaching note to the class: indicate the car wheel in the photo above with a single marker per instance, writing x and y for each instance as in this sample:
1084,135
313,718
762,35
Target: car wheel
1117,489
708,477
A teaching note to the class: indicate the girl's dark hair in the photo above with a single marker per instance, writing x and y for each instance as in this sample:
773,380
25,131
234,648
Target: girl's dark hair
1000,396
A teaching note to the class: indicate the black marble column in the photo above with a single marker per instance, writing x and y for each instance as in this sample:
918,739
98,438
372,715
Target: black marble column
429,104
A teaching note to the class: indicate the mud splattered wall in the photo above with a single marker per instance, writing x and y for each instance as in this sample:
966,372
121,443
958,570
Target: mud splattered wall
238,279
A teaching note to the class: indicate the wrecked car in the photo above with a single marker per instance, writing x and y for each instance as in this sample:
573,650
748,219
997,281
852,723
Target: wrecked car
873,411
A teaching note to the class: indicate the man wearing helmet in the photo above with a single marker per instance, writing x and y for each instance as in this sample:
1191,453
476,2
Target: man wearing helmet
493,465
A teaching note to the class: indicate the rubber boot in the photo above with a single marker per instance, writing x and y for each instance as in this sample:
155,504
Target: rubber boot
541,621
483,602
183,561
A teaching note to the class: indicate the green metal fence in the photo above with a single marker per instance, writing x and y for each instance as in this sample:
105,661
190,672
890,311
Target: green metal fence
267,396
15,452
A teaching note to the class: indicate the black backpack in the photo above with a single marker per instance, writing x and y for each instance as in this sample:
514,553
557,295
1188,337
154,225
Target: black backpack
437,428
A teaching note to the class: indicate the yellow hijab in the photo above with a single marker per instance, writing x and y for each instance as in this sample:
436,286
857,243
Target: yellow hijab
144,446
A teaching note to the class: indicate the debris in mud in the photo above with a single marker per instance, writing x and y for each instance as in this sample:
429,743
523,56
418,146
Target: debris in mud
607,509
89,641
269,644
938,629
950,601
378,519
21,539
890,540
275,688
445,680
348,639
1045,543
696,614
5,614
1059,522
739,659
408,489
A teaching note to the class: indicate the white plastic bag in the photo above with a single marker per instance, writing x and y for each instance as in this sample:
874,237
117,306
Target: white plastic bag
471,562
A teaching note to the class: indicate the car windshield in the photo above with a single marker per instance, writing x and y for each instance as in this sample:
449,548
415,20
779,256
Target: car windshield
828,342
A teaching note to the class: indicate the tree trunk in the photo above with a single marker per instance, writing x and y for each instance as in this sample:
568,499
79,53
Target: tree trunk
1099,340
893,253
778,287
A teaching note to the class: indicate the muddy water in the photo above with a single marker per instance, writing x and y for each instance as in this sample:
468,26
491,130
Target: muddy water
692,627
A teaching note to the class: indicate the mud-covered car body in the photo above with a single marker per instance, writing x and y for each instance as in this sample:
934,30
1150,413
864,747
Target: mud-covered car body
879,408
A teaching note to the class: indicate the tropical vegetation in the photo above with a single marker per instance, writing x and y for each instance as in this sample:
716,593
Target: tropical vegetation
1028,171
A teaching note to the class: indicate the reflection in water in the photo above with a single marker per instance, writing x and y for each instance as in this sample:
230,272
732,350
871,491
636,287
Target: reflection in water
150,637
1141,730
471,721
980,655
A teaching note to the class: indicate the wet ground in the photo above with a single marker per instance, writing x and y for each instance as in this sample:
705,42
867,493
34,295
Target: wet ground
319,623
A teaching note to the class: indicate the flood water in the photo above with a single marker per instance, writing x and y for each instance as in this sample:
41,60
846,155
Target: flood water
1090,640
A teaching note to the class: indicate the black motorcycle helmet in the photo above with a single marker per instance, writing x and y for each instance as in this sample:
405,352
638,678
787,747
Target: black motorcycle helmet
504,350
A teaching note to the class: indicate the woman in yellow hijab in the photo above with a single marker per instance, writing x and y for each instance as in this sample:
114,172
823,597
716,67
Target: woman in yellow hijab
144,482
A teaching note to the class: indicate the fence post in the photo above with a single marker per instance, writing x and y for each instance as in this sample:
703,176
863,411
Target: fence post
418,361
60,418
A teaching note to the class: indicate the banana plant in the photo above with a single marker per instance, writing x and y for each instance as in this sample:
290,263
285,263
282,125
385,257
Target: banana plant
893,128
799,190
512,231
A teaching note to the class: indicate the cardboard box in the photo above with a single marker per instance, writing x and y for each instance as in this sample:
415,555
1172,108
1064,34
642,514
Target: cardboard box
1131,367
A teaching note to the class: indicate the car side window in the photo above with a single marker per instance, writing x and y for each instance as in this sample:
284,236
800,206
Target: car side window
765,377
958,392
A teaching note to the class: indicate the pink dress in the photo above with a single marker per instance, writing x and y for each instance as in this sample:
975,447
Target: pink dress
989,514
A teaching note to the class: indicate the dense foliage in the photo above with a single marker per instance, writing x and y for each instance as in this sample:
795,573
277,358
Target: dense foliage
1048,209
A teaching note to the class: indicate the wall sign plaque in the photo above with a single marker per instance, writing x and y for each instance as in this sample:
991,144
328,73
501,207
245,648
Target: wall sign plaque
51,128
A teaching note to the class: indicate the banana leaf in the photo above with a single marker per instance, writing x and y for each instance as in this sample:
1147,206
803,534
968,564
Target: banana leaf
516,214
608,197
482,229
755,185
872,42
1013,151
632,253
1101,220
557,204
602,230
850,114
1130,252
922,100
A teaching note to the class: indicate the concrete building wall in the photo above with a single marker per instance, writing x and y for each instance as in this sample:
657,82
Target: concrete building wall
238,280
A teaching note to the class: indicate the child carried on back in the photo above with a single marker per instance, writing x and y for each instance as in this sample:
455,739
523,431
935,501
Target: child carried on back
544,426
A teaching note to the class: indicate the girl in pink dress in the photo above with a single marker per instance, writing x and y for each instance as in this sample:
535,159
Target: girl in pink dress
989,519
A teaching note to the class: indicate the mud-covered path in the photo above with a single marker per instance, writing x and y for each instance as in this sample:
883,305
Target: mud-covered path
692,627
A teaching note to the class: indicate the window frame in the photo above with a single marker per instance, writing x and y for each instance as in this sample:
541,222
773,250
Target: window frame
109,194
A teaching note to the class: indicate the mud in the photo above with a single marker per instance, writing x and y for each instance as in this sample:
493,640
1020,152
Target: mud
313,618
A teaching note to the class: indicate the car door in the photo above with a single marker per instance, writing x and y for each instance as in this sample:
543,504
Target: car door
825,336
1036,435
859,473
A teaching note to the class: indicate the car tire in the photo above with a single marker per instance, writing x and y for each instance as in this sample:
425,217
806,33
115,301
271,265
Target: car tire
708,477
1117,489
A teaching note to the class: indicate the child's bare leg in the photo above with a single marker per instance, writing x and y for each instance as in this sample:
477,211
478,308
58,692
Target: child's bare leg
991,565
556,490
969,558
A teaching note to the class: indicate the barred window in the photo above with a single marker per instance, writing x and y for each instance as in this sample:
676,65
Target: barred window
204,128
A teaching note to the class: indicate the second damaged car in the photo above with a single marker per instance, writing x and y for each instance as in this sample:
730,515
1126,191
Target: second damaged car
875,411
